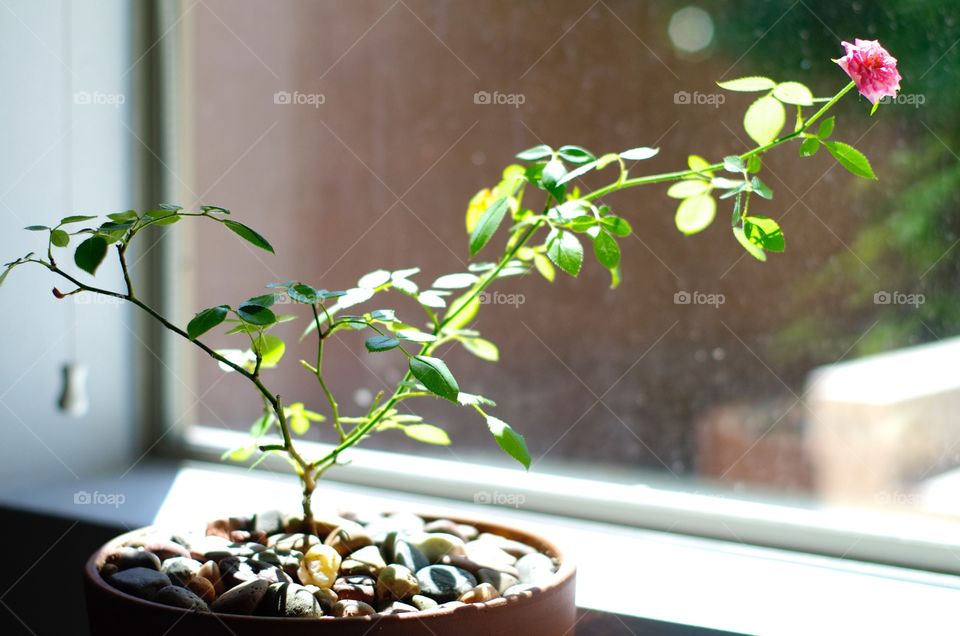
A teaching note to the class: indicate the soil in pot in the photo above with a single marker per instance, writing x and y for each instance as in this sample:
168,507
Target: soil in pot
383,574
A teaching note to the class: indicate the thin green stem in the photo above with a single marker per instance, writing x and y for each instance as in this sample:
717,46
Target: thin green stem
318,371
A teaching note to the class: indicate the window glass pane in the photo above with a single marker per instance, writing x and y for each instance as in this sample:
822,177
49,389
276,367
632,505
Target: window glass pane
354,133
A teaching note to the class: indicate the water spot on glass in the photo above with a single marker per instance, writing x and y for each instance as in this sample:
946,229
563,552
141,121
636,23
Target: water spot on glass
690,29
718,354
363,397
806,65
478,158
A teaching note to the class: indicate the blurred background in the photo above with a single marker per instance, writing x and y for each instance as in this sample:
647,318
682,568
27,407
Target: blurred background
353,134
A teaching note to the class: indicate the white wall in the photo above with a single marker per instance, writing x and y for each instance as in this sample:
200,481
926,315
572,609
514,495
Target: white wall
62,157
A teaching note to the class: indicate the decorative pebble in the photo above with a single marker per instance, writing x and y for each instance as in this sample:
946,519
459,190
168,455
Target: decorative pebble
268,522
471,566
520,590
395,583
451,605
319,566
346,609
358,587
509,546
348,538
500,580
325,596
434,546
466,532
366,560
181,569
480,594
126,558
535,569
289,562
422,602
237,570
108,570
177,596
445,583
202,588
143,583
287,542
442,525
243,599
403,523
408,555
289,600
211,572
489,555
398,608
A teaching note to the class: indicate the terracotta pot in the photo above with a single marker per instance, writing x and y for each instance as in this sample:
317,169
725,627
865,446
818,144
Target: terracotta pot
549,611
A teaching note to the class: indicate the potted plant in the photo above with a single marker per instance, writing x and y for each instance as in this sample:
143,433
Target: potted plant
399,573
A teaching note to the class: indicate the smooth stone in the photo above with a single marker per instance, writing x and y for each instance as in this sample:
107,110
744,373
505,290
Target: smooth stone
422,602
445,583
126,558
535,569
216,548
143,583
402,523
451,605
325,596
286,561
446,526
324,524
489,555
500,580
163,547
348,538
181,569
395,583
211,572
202,588
509,546
467,532
287,542
222,527
346,609
358,587
366,560
480,594
319,566
237,570
246,536
518,590
243,599
471,566
398,608
107,570
434,546
177,596
408,555
268,522
289,600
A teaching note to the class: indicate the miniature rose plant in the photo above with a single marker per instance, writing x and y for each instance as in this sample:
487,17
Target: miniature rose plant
546,220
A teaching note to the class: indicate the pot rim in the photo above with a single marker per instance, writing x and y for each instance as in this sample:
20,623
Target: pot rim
565,572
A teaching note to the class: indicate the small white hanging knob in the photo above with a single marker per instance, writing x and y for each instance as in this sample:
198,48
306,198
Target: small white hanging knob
73,399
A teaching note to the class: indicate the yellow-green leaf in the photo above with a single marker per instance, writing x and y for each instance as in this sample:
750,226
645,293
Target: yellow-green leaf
695,213
764,120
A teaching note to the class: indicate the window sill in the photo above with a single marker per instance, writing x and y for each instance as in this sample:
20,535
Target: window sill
643,573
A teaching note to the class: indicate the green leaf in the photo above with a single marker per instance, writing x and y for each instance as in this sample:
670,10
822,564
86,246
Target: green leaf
826,127
764,232
415,335
256,315
509,440
59,238
262,426
384,315
576,172
37,228
488,225
695,214
469,399
374,279
249,235
761,188
172,207
575,154
606,250
6,272
618,226
764,120
427,433
552,173
76,218
377,344
462,318
214,208
850,158
455,281
483,349
434,374
535,153
565,250
431,299
161,217
639,154
545,267
734,163
754,250
750,84
809,147
206,320
753,164
124,217
90,254
699,164
688,188
270,348
267,300
793,93
302,293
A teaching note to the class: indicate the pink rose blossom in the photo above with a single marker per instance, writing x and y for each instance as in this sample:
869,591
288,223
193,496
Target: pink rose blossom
871,68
